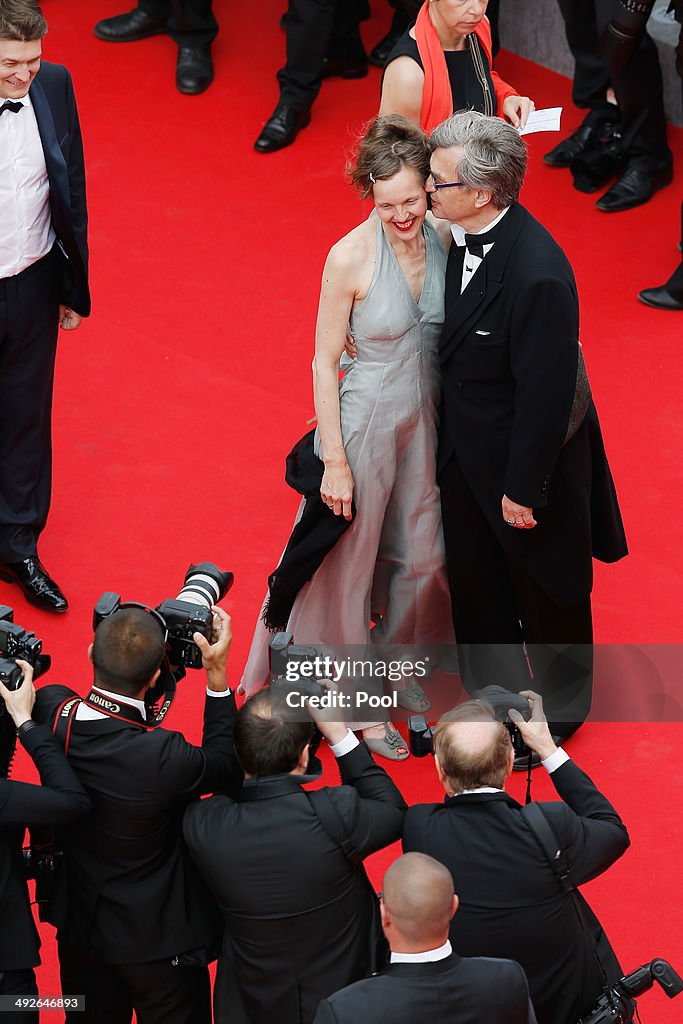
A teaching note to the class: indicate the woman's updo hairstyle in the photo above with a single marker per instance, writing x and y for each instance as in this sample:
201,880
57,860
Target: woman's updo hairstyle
388,144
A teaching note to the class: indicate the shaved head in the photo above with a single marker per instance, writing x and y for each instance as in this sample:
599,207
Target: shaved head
418,900
473,747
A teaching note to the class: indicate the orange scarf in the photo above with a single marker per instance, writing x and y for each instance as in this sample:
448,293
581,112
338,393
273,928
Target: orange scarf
437,99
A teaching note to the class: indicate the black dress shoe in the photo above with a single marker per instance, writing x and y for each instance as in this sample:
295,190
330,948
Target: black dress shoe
128,28
636,186
668,296
194,70
30,574
282,128
344,67
567,150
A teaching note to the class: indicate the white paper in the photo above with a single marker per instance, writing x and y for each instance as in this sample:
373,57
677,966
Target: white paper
547,120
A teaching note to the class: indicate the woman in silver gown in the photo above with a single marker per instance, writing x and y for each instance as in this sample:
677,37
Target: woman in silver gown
383,285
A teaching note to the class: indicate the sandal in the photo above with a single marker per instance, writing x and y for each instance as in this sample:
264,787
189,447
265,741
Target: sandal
392,745
413,698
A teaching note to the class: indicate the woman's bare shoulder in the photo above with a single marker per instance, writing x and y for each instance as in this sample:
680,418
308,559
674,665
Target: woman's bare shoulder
353,250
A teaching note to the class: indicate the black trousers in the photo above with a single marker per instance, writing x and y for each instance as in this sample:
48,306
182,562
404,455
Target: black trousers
638,87
29,310
159,992
190,22
317,29
19,983
509,632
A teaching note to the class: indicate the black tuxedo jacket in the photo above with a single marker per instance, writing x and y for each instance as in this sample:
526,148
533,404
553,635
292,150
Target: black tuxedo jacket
511,903
451,991
128,888
60,798
297,912
511,385
54,103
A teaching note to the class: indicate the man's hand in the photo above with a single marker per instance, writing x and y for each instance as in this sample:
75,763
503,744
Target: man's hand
68,319
215,654
332,731
519,516
19,703
350,346
517,110
535,732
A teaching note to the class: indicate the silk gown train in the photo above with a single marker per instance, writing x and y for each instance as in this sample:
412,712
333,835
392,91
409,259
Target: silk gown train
389,567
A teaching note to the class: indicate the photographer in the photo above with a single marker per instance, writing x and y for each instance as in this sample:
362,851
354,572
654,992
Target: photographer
60,798
285,865
512,904
136,925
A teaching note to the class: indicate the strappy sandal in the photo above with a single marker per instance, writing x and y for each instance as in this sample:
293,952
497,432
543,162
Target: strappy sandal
389,746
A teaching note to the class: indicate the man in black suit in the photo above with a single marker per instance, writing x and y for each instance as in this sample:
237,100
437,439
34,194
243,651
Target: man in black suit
512,904
190,24
136,924
60,798
43,281
426,980
285,865
323,41
639,115
527,495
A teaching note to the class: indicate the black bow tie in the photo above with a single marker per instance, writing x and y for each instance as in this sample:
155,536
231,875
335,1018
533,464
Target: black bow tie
8,105
475,243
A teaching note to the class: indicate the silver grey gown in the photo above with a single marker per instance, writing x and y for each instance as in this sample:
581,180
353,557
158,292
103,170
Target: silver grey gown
389,567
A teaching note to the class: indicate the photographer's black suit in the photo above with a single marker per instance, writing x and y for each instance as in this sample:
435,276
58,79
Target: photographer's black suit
129,898
511,902
298,913
29,310
451,991
511,386
60,798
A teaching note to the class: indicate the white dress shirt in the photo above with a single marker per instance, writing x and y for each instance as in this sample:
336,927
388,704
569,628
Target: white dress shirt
26,232
551,764
84,713
472,263
430,956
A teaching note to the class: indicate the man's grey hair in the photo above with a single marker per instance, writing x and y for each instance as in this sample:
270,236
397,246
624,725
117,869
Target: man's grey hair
494,156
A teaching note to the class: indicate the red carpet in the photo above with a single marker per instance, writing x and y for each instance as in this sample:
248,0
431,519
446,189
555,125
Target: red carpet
177,401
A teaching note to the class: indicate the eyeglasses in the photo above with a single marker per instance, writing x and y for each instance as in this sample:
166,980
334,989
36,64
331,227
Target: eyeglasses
436,185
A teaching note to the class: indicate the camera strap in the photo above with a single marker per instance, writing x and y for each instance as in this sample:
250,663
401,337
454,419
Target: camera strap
119,709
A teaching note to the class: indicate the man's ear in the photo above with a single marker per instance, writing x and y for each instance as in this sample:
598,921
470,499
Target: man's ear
90,654
303,758
154,678
511,761
456,903
384,914
482,198
443,778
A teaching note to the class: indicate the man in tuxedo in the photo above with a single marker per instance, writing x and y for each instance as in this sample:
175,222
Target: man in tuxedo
323,41
60,798
285,865
43,281
425,979
135,923
526,491
512,902
190,24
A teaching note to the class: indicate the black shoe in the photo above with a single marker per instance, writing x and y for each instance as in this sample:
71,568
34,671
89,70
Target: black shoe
344,67
668,296
578,142
194,70
30,574
282,128
128,28
636,186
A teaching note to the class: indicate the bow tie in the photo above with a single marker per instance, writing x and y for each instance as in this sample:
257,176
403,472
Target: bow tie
9,105
475,243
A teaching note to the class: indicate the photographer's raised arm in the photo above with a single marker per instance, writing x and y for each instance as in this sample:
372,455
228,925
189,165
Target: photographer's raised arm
61,796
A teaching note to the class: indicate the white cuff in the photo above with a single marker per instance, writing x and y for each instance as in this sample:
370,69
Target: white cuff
350,742
218,693
555,760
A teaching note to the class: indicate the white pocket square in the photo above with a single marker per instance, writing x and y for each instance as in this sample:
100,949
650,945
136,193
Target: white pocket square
483,333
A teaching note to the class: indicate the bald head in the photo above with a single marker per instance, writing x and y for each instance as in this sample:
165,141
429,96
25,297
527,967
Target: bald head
473,747
419,903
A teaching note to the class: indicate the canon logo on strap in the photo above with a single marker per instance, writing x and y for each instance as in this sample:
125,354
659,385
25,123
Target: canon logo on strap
94,698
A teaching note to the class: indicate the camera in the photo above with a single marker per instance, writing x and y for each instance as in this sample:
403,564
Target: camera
183,616
17,642
421,735
617,1004
283,651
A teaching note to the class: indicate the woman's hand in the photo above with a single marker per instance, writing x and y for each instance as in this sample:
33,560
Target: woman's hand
517,110
336,489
